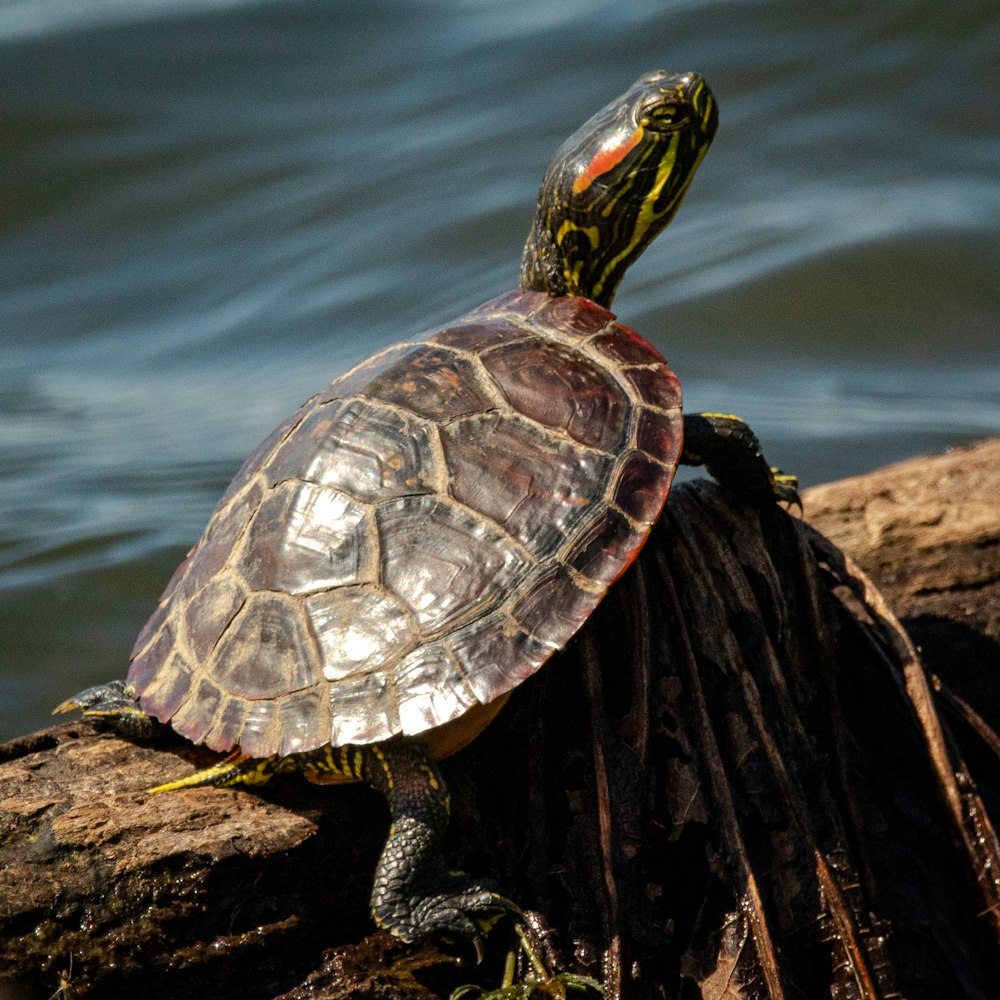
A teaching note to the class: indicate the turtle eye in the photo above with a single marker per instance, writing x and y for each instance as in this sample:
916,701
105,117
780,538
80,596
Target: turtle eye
664,116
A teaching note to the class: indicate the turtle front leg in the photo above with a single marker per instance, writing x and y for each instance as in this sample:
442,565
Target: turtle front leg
114,703
730,451
414,895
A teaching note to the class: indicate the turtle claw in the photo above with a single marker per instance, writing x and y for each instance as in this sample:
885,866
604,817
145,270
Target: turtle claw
113,702
786,488
731,452
465,911
102,699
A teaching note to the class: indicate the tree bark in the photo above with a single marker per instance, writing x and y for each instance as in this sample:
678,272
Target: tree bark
737,781
927,531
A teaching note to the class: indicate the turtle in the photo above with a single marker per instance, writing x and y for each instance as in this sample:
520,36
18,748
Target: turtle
423,534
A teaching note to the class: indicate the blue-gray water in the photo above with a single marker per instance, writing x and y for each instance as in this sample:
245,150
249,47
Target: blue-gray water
208,209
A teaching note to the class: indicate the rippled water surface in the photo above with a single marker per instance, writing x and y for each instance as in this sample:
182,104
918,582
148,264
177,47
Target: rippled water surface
208,209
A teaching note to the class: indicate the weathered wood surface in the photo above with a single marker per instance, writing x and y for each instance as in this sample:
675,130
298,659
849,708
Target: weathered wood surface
780,806
927,531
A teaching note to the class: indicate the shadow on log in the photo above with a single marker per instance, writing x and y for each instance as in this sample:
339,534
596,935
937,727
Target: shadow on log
928,533
738,781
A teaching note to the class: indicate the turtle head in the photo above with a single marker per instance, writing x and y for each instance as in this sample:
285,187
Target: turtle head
615,183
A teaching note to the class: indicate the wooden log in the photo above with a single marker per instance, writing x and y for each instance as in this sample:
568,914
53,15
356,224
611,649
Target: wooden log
927,531
736,778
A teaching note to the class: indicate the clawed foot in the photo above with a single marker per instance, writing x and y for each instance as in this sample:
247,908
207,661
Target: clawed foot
786,488
730,451
462,909
114,703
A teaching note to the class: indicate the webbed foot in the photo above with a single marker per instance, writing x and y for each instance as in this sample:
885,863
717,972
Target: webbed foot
114,703
413,898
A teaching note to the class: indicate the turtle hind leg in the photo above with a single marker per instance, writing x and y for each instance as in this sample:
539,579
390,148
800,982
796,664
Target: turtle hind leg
236,769
730,451
115,704
414,895
327,765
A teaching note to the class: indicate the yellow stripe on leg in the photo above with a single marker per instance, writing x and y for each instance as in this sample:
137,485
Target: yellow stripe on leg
234,770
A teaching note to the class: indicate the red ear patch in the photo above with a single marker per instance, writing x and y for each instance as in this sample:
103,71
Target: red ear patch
606,159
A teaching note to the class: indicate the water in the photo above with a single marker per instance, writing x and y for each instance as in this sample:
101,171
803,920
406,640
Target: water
208,209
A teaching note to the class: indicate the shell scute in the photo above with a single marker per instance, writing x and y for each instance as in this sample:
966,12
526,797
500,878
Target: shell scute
227,730
642,487
260,454
495,656
304,720
267,651
420,537
604,550
477,336
358,628
261,735
169,688
219,539
554,606
364,708
431,689
626,347
514,303
196,716
366,450
573,317
655,388
659,435
431,381
559,387
163,607
444,563
306,537
357,381
207,618
534,487
154,656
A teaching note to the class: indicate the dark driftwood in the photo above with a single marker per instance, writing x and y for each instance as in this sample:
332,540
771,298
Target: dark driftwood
738,781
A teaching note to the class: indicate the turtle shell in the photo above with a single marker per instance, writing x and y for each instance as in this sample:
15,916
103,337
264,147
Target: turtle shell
421,536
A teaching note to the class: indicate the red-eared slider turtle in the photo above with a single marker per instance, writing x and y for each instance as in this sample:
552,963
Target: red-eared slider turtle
424,533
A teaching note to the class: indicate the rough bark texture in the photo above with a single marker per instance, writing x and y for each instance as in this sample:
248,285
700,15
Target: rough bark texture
927,532
738,781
